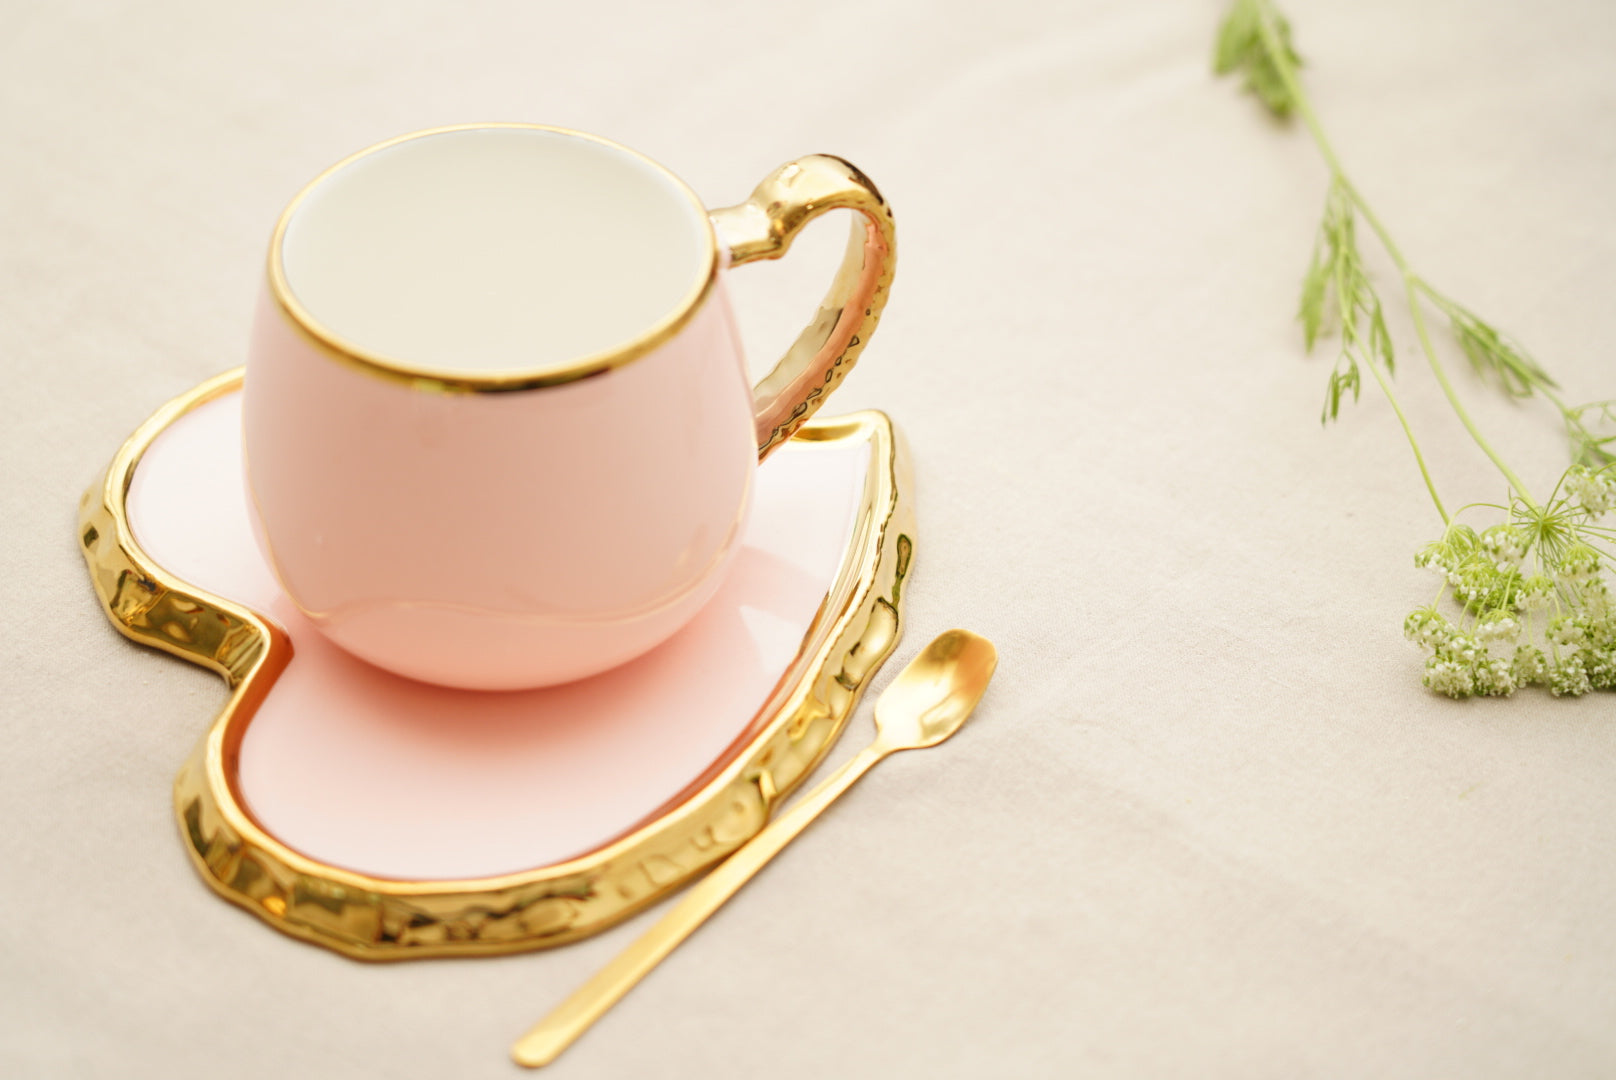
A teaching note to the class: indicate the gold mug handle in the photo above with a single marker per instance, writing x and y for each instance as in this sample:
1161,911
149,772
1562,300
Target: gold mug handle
762,228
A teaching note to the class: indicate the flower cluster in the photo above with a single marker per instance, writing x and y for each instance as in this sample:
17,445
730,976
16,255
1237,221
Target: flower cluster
1536,608
1594,490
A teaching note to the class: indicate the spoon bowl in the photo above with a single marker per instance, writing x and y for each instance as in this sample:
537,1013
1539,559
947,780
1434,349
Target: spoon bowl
932,697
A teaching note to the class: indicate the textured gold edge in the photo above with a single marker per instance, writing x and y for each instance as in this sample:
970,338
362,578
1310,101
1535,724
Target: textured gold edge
460,382
150,606
381,919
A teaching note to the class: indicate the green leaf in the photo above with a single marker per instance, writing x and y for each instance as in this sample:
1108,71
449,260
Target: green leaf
1236,38
1494,356
1592,430
1342,379
1335,275
1380,341
1255,41
1314,286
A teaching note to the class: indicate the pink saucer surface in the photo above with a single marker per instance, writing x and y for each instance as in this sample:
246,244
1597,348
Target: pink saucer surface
364,770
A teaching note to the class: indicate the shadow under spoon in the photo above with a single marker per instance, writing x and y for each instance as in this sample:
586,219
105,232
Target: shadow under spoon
928,701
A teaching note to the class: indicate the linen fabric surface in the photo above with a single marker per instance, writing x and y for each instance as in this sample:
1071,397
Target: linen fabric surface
1206,822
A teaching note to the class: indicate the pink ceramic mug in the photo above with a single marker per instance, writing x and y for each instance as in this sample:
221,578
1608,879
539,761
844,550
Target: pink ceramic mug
498,426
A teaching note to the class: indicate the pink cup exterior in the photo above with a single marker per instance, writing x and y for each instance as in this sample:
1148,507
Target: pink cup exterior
500,540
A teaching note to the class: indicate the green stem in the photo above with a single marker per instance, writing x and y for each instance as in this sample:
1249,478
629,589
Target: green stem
1410,284
1411,281
1351,341
1419,458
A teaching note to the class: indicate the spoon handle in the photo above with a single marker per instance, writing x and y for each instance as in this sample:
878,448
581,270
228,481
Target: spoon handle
545,1041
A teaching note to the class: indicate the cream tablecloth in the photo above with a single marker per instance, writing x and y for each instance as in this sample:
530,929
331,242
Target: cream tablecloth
1206,823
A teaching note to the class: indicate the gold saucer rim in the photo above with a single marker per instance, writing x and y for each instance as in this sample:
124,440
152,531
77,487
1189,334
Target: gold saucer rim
375,918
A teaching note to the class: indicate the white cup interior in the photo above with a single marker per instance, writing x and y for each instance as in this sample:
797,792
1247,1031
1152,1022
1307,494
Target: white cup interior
495,250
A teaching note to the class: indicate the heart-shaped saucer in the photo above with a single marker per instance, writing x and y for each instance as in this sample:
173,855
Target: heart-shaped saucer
389,819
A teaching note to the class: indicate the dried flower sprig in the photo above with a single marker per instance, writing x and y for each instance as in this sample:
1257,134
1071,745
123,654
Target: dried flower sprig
1533,592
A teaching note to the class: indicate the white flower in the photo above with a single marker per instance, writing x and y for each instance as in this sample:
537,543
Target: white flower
1497,625
1567,633
1579,564
1448,677
1569,679
1535,592
1530,666
1505,545
1494,678
1601,668
1595,491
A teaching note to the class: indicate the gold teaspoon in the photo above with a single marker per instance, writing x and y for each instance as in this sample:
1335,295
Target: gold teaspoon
928,701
